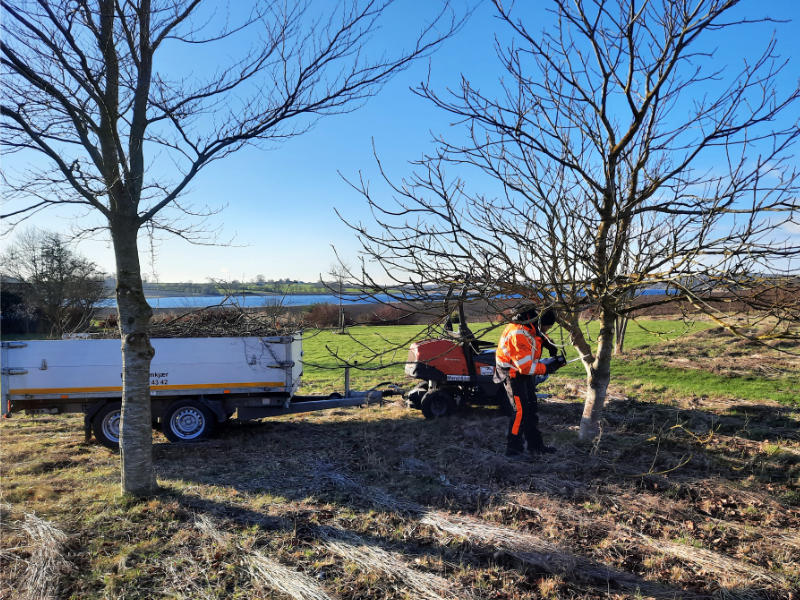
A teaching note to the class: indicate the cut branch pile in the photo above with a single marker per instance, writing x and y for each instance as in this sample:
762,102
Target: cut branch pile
210,322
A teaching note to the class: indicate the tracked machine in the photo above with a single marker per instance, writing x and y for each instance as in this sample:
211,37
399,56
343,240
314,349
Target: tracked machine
455,370
453,375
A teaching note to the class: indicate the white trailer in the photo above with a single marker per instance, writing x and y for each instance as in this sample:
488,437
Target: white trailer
195,383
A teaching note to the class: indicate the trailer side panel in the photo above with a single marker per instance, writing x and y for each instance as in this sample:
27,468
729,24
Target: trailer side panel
66,370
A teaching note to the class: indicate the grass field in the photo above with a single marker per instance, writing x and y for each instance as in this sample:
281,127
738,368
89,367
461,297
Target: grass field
651,364
364,343
692,491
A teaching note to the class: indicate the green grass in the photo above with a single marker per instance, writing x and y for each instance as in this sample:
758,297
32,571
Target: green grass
380,353
324,373
651,376
640,334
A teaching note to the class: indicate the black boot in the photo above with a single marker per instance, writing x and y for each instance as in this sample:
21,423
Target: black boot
513,450
536,443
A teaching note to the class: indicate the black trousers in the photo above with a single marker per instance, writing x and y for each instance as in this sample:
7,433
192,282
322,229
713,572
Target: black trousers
524,425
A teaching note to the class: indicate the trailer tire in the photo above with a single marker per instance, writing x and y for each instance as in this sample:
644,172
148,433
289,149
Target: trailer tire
437,404
187,421
105,424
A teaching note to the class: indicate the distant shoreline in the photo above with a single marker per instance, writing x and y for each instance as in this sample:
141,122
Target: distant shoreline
161,294
255,301
249,301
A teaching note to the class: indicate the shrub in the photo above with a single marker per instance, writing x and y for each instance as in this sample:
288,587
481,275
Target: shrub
388,315
323,315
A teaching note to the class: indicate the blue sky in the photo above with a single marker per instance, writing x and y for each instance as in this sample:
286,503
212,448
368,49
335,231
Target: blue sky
279,202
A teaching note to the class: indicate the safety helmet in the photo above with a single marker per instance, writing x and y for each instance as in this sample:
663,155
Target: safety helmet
529,314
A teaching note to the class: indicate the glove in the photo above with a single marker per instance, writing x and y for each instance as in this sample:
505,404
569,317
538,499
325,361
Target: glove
554,364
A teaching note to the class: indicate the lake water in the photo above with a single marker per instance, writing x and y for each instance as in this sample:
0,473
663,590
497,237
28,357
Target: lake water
288,300
251,301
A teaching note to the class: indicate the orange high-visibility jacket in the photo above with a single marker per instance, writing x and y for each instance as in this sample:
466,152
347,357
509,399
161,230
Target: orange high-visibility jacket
519,351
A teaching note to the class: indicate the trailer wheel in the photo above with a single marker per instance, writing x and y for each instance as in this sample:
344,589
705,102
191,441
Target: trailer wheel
105,425
187,421
436,404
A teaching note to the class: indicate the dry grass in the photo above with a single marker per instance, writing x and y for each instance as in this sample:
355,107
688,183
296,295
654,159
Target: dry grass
730,572
36,565
265,572
273,575
391,566
682,497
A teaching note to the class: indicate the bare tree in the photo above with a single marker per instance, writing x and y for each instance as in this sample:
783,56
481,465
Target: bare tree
87,92
618,156
338,273
55,281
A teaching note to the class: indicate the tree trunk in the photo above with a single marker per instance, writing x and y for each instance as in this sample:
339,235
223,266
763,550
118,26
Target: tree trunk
621,327
598,374
136,436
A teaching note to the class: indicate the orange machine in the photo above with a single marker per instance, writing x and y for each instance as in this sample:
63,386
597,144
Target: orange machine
453,374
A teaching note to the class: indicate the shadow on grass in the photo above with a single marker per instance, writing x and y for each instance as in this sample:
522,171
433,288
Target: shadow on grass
440,462
303,525
740,442
407,466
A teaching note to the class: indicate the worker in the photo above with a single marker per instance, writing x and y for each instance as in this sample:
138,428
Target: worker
517,363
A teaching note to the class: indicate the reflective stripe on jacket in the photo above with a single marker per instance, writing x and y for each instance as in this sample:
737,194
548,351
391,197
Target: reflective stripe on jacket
519,351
